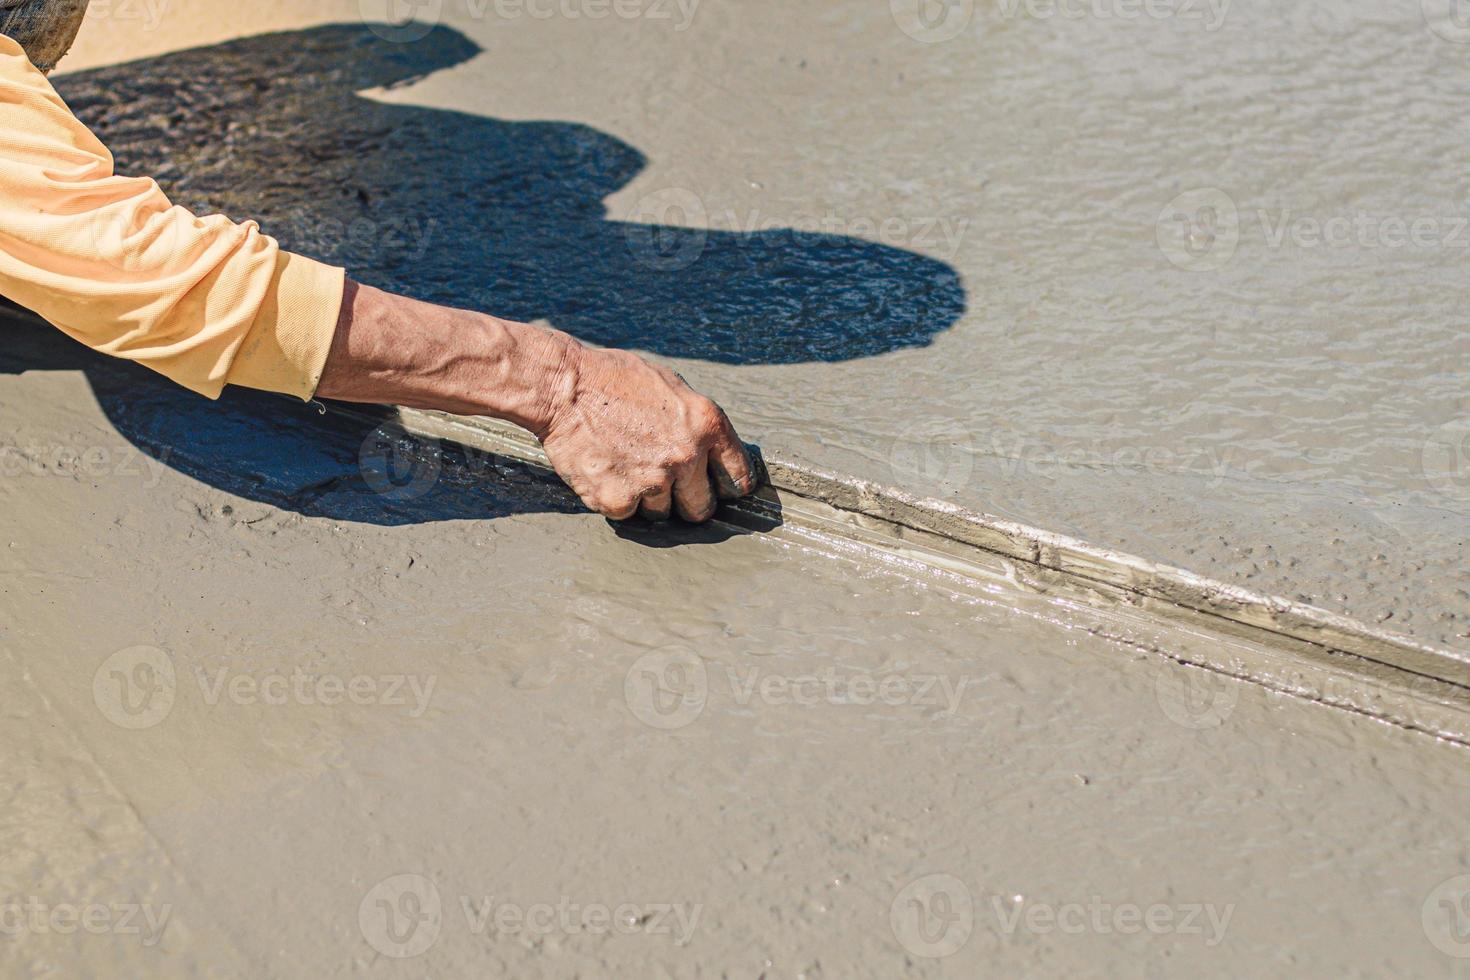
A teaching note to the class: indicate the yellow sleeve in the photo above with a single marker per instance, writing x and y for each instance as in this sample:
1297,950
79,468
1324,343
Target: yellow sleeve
110,261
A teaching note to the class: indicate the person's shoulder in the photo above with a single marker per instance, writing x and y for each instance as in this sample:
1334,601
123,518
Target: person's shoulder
15,64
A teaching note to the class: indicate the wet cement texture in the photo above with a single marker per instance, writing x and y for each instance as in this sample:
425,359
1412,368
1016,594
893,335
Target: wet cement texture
958,262
317,720
1189,286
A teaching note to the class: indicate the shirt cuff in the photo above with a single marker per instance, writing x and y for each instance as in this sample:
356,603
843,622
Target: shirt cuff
287,346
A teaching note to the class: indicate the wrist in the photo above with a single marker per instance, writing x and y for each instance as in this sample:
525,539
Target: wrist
537,370
393,350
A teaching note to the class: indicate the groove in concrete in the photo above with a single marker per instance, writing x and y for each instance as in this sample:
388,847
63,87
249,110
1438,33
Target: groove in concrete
1284,645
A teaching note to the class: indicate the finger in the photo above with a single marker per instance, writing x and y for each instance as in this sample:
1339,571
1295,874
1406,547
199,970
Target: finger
618,508
694,494
657,504
730,464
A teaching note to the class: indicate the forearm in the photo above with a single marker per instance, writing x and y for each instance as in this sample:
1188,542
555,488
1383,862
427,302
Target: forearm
398,351
625,434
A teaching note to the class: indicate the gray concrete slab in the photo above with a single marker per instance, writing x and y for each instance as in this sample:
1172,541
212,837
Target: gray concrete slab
1181,279
322,706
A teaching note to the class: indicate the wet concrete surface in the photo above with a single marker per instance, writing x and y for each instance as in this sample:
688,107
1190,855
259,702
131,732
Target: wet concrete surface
1185,280
550,713
316,719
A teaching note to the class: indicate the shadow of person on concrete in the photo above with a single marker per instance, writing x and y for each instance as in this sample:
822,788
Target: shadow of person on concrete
359,467
480,213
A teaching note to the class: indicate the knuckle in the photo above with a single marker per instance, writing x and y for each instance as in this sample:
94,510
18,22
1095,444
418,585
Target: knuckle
617,505
658,483
707,419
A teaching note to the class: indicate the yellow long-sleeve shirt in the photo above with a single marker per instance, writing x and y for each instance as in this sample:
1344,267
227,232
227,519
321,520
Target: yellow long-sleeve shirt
109,260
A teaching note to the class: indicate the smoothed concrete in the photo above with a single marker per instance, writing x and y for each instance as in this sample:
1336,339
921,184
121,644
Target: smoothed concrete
746,747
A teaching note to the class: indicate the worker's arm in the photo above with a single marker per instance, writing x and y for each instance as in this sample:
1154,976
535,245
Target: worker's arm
208,302
622,432
110,260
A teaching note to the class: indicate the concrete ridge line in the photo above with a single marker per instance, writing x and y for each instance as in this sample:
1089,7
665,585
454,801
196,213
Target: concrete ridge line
896,510
1073,557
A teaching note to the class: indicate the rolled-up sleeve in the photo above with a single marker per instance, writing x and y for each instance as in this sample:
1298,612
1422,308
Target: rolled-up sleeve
109,260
